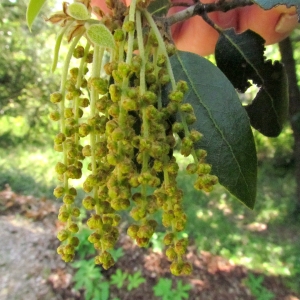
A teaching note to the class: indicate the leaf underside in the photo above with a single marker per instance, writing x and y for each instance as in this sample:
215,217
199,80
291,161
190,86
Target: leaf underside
224,123
33,9
241,58
268,4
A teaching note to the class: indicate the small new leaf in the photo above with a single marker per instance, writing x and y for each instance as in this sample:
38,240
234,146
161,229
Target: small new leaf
241,58
99,35
33,9
78,11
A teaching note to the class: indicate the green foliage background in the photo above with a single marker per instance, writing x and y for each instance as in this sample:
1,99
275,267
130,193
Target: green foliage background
25,78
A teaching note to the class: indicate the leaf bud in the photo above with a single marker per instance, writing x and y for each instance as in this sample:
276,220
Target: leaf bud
149,98
74,73
59,191
152,223
67,257
164,79
180,225
167,219
119,35
107,260
99,84
172,108
84,83
74,241
95,222
76,212
195,136
62,235
115,92
168,238
161,60
89,57
176,268
63,216
117,135
149,66
110,67
190,119
180,247
186,146
182,86
78,52
138,213
129,26
145,231
203,168
60,250
84,129
69,249
158,165
152,39
129,104
124,69
171,254
88,202
186,269
60,168
116,220
173,168
142,242
87,150
171,49
73,227
73,172
108,242
68,199
176,96
70,86
136,64
114,110
132,231
191,168
94,238
59,138
134,181
54,116
120,204
56,97
84,102
186,107
151,204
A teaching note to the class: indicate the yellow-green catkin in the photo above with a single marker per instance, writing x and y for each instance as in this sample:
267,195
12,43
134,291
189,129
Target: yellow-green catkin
112,115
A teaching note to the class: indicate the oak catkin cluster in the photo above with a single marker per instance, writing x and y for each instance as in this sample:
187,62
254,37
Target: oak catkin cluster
116,111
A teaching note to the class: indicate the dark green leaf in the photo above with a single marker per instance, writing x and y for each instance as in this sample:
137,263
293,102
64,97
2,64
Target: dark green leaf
241,58
159,7
33,9
224,123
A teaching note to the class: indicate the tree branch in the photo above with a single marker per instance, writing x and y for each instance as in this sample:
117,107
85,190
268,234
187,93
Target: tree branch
202,8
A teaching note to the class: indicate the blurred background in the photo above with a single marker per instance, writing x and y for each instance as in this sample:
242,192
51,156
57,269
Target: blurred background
237,253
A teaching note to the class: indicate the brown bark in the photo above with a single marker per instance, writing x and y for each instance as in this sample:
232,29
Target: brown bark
286,50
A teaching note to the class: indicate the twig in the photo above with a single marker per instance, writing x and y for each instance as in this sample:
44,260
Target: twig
202,8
